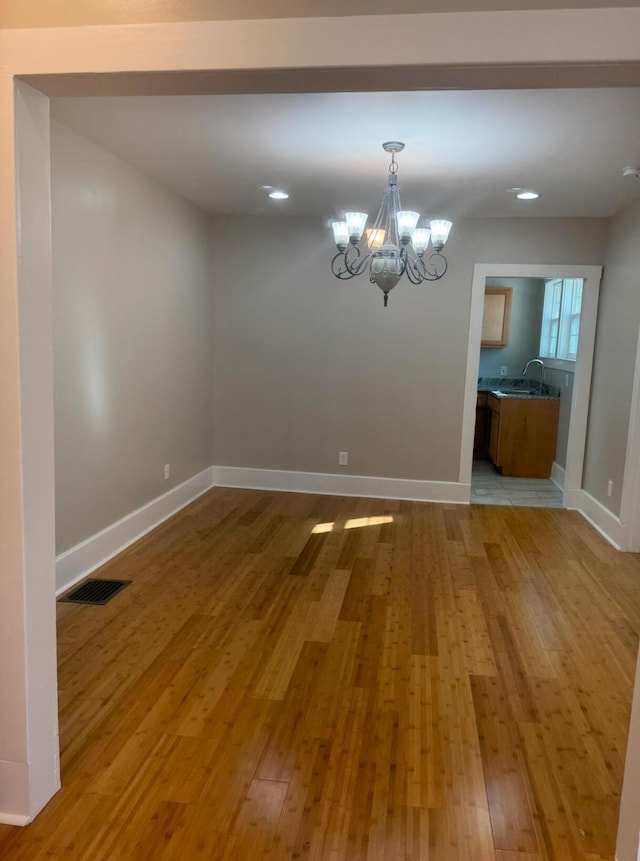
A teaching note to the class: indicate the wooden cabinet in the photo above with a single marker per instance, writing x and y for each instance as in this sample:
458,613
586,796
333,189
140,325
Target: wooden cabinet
497,317
494,431
482,427
523,434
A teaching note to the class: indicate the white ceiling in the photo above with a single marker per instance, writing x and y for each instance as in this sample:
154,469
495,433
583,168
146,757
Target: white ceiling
463,149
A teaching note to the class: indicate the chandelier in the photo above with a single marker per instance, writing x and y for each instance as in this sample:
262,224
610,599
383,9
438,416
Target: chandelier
393,245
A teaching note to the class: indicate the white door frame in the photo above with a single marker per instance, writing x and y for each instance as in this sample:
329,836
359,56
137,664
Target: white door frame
584,362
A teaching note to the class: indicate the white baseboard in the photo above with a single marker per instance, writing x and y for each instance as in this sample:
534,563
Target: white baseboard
573,499
15,792
557,475
78,561
601,519
341,485
13,819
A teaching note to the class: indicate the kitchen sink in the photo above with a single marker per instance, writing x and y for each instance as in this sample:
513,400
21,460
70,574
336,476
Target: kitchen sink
521,393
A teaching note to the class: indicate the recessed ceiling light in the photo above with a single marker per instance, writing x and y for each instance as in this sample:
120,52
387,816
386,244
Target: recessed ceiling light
527,195
278,195
266,187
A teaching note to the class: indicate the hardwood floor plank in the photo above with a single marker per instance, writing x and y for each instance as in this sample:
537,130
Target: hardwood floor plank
506,780
559,835
326,611
501,855
255,826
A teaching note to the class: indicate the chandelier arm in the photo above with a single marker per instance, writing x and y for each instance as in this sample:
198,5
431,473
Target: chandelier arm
413,272
339,269
405,260
355,262
419,270
436,266
349,263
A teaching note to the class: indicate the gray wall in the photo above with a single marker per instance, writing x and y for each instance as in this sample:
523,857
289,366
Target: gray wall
306,365
132,337
527,300
614,359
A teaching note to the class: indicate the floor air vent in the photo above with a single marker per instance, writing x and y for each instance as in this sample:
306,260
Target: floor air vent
94,592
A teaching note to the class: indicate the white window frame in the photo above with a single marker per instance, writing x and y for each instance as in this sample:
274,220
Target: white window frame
559,315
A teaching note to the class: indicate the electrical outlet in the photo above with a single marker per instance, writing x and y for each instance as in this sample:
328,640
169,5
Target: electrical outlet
503,370
167,471
343,458
609,487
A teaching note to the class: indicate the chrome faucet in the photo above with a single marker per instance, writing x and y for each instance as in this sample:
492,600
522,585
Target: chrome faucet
535,362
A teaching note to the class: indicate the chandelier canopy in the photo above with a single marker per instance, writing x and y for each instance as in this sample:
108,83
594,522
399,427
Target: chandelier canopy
393,245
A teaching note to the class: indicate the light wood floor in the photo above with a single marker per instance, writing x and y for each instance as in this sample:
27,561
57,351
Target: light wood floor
290,678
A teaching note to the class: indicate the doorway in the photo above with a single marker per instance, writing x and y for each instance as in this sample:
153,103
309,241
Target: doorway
570,481
522,356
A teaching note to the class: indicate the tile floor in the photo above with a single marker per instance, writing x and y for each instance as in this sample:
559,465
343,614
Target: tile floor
489,488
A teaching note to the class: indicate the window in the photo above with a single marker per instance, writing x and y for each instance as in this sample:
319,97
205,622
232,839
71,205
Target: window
561,318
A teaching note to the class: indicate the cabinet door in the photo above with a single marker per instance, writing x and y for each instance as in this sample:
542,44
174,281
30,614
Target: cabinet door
494,438
497,317
479,444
